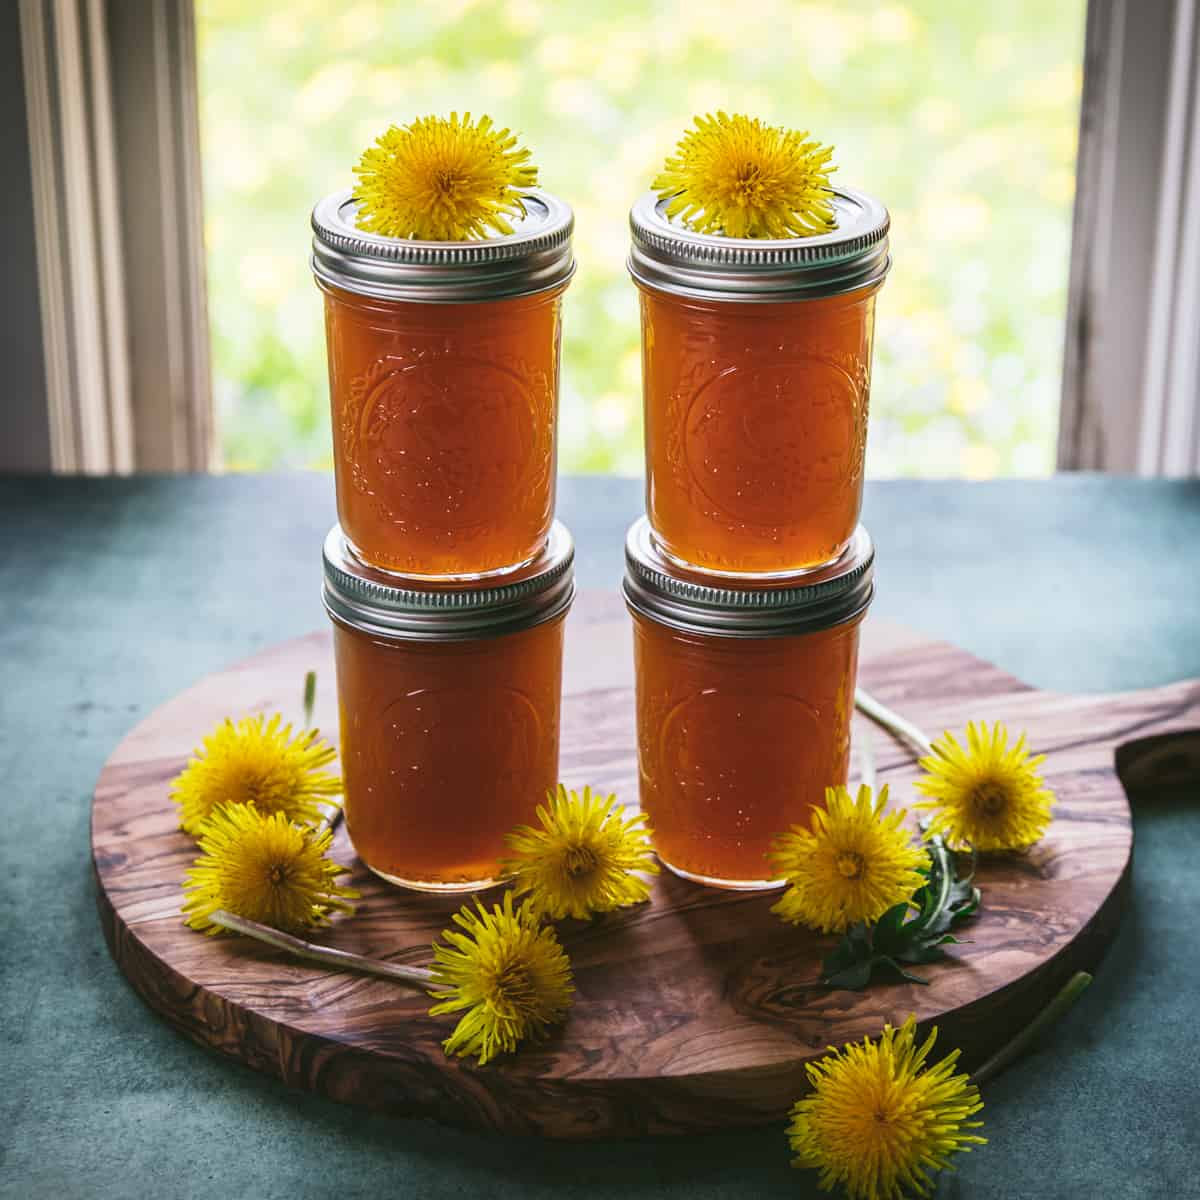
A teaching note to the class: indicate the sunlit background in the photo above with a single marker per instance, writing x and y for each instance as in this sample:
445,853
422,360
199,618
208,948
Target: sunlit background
962,117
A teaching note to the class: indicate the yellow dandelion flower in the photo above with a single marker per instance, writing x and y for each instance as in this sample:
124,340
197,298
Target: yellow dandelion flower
256,762
878,1120
580,861
738,177
508,971
853,863
442,181
262,867
987,795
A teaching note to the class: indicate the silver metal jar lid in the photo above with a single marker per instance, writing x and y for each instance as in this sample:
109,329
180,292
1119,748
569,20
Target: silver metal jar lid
669,257
375,602
534,257
802,603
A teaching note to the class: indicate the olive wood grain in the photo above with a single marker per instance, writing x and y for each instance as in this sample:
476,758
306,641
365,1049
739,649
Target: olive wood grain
695,1011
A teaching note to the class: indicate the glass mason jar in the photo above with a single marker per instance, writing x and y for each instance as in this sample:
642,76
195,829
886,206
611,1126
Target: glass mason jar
449,703
756,373
744,701
443,385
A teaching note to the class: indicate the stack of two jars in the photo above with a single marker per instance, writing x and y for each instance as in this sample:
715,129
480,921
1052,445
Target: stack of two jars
750,575
447,577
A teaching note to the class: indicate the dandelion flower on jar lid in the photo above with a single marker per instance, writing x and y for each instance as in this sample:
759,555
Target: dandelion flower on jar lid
987,795
878,1120
443,180
262,867
508,971
257,762
581,860
734,175
853,863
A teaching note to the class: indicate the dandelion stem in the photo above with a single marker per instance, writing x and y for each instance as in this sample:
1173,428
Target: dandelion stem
341,960
310,697
1012,1050
893,722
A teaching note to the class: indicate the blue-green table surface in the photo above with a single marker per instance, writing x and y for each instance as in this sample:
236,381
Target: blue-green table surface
116,594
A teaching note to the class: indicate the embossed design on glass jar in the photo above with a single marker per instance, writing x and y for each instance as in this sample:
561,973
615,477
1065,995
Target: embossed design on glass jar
745,726
858,371
424,730
404,765
432,437
762,442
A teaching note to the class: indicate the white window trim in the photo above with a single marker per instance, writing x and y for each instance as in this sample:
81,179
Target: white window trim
115,164
1131,378
78,237
1170,436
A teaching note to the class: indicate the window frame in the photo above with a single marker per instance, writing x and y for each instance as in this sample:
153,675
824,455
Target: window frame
118,225
1131,371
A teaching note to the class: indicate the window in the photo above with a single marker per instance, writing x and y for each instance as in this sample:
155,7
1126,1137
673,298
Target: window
963,117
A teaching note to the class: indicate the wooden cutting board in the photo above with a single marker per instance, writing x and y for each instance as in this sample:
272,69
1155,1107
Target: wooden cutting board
696,1011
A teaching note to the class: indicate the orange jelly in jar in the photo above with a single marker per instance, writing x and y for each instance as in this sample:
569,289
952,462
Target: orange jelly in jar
756,370
443,382
449,700
744,701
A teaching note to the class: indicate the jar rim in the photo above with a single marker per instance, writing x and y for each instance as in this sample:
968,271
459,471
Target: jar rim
804,602
669,257
373,601
535,257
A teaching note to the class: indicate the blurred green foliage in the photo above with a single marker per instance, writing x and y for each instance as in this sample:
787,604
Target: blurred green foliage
962,117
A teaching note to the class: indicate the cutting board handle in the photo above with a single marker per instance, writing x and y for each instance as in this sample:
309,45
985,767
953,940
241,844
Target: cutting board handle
1165,758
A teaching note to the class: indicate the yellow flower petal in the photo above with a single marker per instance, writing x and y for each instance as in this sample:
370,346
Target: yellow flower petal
580,861
735,176
879,1120
853,863
508,971
988,795
256,762
262,867
442,180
